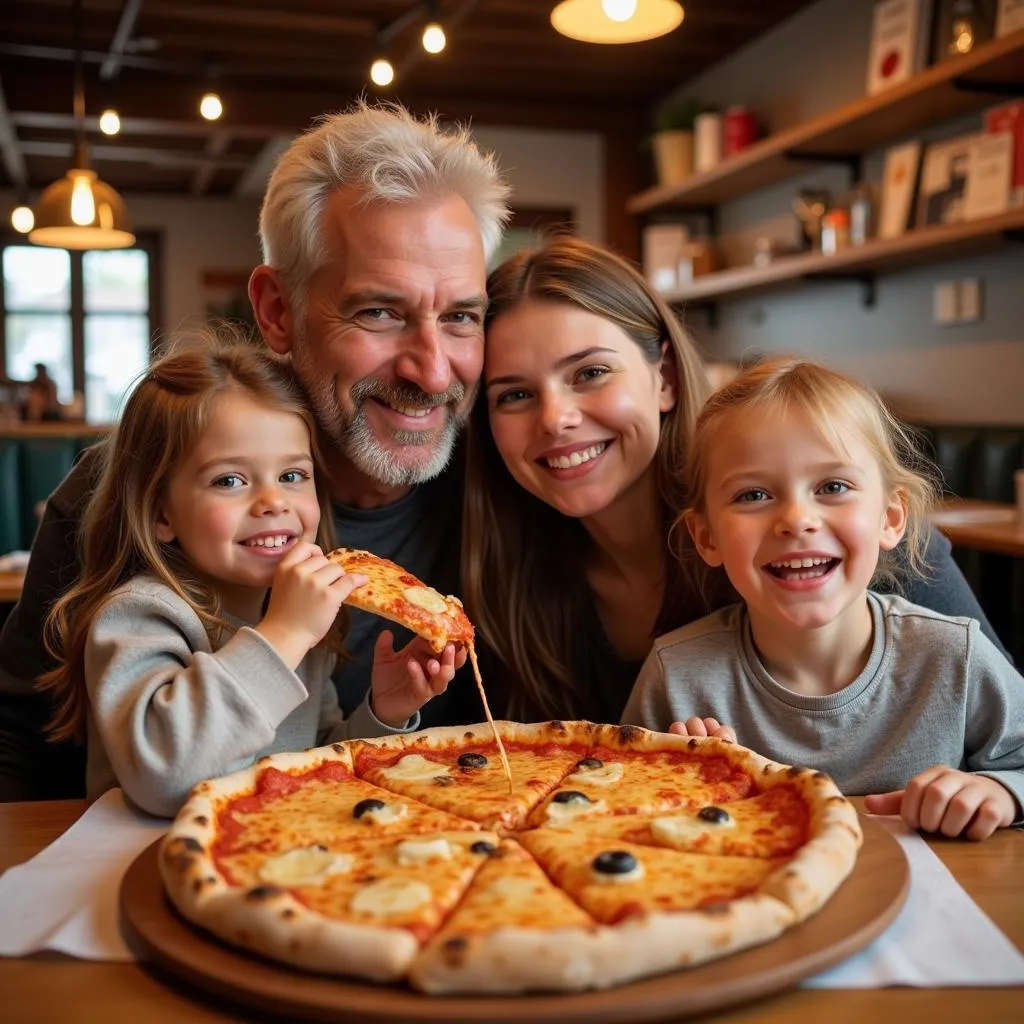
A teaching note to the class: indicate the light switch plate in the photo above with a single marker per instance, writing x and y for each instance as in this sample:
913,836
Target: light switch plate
944,303
969,301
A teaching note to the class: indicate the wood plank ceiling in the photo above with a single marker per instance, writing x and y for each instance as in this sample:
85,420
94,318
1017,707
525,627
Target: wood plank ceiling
278,65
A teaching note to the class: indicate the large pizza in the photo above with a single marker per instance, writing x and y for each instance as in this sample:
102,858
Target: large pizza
619,853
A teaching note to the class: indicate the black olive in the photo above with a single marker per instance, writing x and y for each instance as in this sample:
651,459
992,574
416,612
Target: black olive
615,862
367,805
482,846
569,796
713,814
472,761
590,762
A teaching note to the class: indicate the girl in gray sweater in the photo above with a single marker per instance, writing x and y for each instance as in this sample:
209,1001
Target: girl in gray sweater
204,628
803,485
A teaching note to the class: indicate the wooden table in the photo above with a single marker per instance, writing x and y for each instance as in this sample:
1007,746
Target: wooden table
49,987
985,525
10,586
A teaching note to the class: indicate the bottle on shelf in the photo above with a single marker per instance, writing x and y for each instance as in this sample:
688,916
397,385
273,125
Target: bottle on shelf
835,231
862,215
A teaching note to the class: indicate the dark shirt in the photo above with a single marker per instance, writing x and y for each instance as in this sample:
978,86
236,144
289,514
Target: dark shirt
421,532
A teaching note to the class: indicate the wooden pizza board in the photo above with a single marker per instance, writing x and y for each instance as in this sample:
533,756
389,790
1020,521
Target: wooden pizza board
865,905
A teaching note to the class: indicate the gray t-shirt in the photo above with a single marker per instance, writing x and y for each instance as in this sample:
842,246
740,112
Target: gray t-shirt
167,709
935,691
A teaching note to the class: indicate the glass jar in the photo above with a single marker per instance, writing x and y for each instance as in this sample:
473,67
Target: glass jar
835,232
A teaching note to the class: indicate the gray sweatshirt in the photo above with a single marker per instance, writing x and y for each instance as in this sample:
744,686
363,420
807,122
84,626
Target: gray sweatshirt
935,691
166,710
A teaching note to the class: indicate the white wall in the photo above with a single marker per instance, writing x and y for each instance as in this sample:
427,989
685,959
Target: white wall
810,64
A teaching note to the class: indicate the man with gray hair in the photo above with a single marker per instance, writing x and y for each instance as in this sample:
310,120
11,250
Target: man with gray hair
376,229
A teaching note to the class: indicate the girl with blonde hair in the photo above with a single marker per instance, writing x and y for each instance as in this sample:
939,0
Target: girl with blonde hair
203,629
802,485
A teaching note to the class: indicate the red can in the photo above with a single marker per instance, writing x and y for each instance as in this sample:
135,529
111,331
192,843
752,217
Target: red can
739,131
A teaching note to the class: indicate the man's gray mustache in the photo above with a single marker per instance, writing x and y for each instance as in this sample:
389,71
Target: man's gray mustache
411,397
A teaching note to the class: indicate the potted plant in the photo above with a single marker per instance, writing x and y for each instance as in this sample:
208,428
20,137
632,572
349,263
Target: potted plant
672,141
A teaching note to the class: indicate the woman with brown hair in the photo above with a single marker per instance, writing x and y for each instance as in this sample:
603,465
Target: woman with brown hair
576,449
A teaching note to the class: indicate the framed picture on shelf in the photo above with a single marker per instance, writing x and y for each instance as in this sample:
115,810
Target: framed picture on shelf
989,174
1009,16
899,42
943,181
899,183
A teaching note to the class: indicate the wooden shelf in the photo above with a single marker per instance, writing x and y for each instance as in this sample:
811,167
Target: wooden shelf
916,247
940,93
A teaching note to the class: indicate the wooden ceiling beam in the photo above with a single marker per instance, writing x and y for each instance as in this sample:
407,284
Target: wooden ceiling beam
215,150
133,154
10,151
194,127
122,34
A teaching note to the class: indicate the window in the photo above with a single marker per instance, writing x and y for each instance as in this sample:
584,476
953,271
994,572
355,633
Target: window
88,316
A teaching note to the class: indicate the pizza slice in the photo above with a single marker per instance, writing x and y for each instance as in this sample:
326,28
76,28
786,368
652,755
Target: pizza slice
398,595
772,824
615,880
328,802
514,930
457,769
629,770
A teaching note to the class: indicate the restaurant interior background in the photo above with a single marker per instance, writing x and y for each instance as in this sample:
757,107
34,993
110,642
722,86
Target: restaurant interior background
937,328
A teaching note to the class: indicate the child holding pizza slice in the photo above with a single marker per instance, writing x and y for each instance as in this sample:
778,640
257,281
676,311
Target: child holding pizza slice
803,486
202,633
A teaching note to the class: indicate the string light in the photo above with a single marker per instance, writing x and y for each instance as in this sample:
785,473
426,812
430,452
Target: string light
381,72
434,40
210,106
110,123
22,219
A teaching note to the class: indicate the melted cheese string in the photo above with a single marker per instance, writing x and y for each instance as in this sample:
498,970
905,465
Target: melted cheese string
490,719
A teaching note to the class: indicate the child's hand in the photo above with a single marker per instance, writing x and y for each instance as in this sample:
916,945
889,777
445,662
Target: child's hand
403,681
305,597
942,799
703,727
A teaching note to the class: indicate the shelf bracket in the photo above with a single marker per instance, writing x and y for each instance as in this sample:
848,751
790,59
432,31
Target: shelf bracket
989,85
849,160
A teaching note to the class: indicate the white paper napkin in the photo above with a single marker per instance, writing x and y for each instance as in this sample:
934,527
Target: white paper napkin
65,898
941,939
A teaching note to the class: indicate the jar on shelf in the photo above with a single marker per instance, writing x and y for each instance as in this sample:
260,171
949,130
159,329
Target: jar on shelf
835,231
862,215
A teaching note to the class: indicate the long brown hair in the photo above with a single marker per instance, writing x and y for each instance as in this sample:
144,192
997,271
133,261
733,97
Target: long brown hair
162,420
522,560
828,399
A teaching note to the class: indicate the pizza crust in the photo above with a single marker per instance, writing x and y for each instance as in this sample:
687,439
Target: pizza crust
506,959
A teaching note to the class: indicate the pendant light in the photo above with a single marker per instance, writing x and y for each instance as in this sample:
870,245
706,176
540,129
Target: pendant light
81,211
616,21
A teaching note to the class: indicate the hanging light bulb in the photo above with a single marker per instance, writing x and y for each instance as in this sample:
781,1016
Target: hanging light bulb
616,21
80,210
381,72
619,10
434,39
22,219
110,123
210,106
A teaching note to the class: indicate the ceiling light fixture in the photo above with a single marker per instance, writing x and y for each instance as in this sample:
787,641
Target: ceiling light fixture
211,107
381,72
110,123
616,21
434,40
22,218
79,211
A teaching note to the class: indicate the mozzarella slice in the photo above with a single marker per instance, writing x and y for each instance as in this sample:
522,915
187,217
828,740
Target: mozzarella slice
425,598
311,865
607,775
415,768
558,813
676,830
418,851
390,896
386,815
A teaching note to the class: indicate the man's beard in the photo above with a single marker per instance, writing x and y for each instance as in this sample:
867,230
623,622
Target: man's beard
356,440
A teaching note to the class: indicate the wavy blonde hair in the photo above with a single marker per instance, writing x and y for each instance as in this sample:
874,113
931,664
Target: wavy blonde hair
166,413
527,611
830,400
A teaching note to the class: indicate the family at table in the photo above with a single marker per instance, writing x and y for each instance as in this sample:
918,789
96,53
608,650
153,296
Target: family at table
756,564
